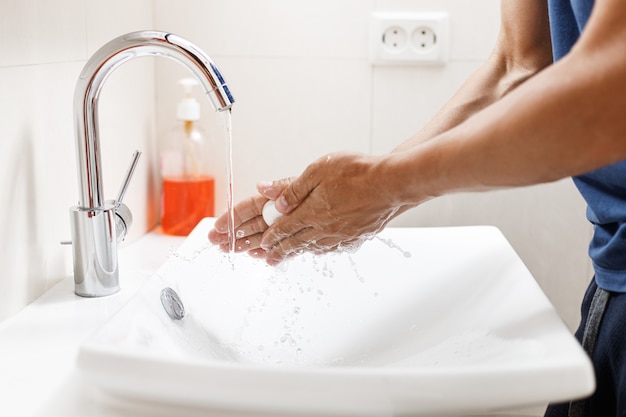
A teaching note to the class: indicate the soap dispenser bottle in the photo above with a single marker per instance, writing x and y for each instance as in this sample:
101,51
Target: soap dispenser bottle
188,193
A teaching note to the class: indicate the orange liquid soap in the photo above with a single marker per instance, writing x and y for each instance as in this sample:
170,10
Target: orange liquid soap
186,201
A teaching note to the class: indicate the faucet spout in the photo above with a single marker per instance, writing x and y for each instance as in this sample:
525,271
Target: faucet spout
95,221
100,67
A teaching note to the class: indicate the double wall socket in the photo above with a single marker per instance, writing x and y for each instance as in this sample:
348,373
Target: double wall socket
409,38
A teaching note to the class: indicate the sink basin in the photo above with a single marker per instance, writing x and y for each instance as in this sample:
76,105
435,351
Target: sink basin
419,321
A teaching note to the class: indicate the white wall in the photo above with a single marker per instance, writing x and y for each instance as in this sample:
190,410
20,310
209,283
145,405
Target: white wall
43,47
304,87
299,71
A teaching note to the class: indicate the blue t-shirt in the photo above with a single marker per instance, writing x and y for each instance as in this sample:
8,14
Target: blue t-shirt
604,189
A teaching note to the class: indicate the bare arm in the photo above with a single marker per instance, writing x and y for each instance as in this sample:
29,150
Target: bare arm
565,120
522,49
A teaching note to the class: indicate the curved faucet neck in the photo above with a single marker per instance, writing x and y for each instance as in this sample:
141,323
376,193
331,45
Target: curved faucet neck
96,72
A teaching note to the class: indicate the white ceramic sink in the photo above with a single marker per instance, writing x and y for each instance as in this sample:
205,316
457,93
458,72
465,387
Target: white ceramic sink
419,321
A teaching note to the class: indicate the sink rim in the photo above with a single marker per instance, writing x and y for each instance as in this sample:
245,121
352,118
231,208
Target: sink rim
374,380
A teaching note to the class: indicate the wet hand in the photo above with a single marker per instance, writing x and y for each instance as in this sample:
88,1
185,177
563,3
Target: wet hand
248,221
338,202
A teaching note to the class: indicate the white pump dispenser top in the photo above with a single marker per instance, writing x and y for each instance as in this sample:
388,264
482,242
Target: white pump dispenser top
188,108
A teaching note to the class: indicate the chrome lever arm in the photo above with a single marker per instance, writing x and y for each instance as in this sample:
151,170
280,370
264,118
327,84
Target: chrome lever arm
127,177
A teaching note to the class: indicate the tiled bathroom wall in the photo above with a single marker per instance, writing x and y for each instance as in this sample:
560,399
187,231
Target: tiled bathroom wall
43,47
304,87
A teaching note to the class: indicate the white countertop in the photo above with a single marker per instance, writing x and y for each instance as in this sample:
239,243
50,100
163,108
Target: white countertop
38,346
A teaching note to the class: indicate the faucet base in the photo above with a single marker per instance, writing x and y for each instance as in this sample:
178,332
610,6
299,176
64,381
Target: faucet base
98,295
94,246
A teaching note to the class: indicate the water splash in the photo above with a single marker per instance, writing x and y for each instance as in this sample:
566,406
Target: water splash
355,268
393,245
195,254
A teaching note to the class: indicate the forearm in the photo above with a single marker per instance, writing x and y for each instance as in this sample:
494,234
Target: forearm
487,85
522,50
565,121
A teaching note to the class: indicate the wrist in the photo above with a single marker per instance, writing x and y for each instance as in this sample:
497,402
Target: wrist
411,177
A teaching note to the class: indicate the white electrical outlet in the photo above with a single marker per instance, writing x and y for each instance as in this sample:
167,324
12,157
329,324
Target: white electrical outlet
409,38
395,39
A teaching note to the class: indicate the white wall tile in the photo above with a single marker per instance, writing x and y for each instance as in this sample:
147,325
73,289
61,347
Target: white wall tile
474,25
38,174
109,19
324,28
55,165
43,45
18,191
311,107
405,98
41,31
288,111
39,182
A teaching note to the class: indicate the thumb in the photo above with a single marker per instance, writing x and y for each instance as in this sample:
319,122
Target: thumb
297,191
272,189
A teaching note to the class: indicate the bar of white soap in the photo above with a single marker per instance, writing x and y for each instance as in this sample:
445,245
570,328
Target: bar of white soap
270,214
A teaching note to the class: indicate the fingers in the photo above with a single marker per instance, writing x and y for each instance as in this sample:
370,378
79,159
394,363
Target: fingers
217,238
281,229
294,193
304,241
243,212
285,237
298,189
273,189
248,243
248,221
248,226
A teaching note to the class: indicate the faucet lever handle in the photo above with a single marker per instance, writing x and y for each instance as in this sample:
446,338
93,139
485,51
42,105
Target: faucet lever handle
127,177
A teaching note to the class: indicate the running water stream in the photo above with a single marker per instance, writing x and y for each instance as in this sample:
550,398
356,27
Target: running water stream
228,136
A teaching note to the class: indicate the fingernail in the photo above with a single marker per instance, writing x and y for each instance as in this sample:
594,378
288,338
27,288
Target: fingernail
264,184
282,205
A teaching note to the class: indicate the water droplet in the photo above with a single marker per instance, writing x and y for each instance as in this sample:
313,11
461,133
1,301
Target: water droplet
338,361
391,244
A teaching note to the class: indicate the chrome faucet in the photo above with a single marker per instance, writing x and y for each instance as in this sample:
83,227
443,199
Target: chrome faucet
98,225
